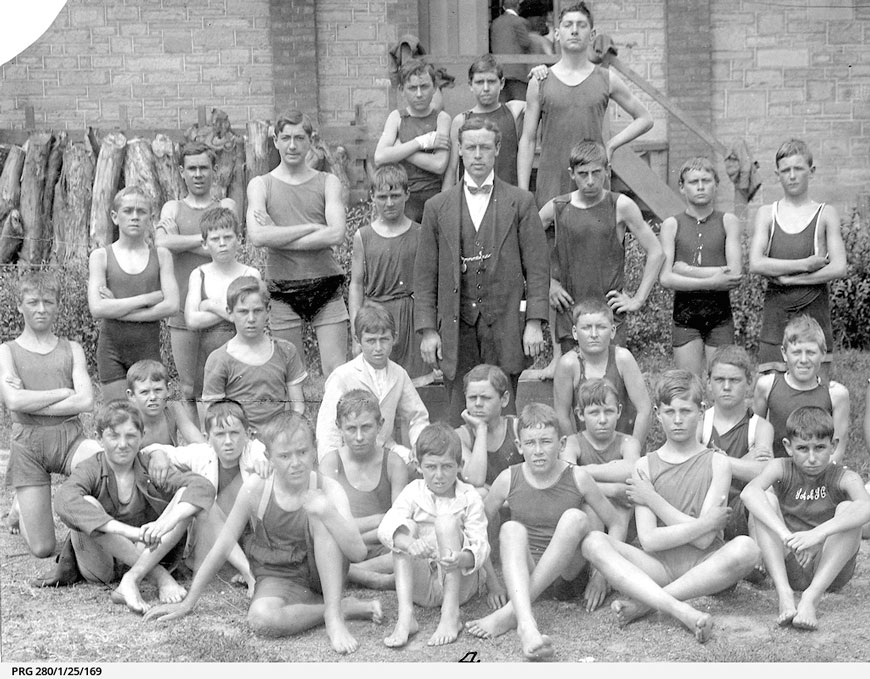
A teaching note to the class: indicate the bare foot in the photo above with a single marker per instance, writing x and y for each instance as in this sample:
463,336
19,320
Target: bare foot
128,593
628,610
447,632
401,633
493,625
547,373
536,646
362,609
13,518
703,628
340,638
169,591
805,616
787,610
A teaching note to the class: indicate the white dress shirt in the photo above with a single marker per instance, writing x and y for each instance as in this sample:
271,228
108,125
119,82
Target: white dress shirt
477,202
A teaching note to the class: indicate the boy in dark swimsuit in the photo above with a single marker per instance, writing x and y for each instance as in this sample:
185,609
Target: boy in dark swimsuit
807,514
304,536
371,477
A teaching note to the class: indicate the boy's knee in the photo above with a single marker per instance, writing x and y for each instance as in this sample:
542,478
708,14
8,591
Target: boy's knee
43,547
511,531
747,549
574,520
446,525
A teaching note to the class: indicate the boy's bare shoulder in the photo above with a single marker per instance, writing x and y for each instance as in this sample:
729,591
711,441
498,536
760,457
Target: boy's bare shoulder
837,391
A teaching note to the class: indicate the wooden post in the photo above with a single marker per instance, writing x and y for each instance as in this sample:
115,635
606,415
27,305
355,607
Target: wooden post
140,170
52,174
320,157
36,236
11,237
10,181
166,159
107,175
72,204
238,188
257,147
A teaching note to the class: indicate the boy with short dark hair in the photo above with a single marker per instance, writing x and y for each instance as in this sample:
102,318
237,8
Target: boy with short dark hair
131,287
436,529
263,373
303,538
548,500
417,136
44,383
147,390
679,493
730,425
119,517
373,370
703,261
807,513
594,356
486,82
778,394
797,245
382,268
226,460
371,477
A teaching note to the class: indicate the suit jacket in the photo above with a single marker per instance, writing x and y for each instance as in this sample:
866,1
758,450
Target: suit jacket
520,259
400,398
509,34
201,459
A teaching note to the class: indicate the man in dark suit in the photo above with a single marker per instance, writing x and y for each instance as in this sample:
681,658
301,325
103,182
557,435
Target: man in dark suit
481,258
509,34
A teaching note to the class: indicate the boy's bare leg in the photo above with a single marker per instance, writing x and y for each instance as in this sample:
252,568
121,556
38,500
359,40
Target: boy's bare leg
332,340
773,554
13,518
185,345
723,568
207,527
374,573
560,557
113,391
448,532
836,552
690,356
35,519
406,623
630,578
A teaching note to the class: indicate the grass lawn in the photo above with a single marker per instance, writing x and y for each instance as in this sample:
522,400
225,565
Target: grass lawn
79,624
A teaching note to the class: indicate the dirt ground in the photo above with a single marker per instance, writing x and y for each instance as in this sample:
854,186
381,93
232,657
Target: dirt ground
80,624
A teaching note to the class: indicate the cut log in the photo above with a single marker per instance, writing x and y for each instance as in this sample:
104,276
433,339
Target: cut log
321,158
238,188
221,139
52,174
11,237
4,153
36,235
107,176
167,160
10,181
141,170
257,146
72,205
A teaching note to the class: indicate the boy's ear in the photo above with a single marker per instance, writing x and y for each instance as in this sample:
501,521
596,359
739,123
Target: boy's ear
618,409
562,441
787,445
129,393
505,398
114,215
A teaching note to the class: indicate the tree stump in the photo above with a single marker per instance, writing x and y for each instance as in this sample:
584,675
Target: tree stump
167,161
238,188
36,236
52,174
72,204
141,170
321,158
221,139
10,181
11,237
107,176
257,146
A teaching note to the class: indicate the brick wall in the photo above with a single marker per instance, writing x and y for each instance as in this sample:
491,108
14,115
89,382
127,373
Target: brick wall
801,69
293,36
152,63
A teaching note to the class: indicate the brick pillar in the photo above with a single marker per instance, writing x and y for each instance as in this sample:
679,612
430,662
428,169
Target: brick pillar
689,64
293,36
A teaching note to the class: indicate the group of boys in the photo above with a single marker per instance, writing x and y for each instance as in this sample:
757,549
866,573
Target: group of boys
377,495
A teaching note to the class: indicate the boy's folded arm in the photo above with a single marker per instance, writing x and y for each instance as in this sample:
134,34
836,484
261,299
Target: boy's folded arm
115,527
754,498
655,538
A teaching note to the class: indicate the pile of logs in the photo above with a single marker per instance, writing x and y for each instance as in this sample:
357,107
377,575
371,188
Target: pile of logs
56,194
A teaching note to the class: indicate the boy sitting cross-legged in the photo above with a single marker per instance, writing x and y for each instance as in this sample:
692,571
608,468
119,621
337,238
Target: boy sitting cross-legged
303,538
549,501
437,531
118,514
808,523
679,491
372,478
228,458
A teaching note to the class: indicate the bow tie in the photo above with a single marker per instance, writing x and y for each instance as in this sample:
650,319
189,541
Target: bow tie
474,190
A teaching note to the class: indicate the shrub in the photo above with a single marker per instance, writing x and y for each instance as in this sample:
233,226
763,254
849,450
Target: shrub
850,296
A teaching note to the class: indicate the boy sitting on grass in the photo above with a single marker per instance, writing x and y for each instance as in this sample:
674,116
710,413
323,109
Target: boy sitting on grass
303,538
119,516
808,524
777,395
147,390
228,458
437,531
679,491
607,455
371,477
549,501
